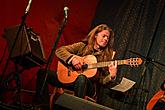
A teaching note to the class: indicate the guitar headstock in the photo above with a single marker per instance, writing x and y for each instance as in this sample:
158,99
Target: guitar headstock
134,62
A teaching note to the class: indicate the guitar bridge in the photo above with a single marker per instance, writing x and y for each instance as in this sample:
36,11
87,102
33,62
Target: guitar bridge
69,72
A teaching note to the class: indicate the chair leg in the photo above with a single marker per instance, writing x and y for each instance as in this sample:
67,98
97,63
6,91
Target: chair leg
56,91
90,99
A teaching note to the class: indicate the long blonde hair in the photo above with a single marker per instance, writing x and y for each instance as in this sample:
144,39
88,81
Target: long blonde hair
90,39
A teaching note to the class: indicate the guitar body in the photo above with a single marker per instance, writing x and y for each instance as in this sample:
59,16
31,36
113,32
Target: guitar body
155,99
67,75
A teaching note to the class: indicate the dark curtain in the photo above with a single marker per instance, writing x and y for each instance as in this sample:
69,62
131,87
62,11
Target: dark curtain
139,32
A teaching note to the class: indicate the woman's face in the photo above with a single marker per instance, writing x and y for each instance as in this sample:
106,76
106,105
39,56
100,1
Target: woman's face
102,39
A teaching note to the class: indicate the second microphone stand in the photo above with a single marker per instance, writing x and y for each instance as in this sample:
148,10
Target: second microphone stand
2,80
50,59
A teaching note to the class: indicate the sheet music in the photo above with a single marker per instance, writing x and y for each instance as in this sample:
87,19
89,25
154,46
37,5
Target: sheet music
124,85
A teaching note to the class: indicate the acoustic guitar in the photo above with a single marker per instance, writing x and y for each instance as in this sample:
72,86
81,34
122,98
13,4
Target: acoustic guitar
67,74
158,97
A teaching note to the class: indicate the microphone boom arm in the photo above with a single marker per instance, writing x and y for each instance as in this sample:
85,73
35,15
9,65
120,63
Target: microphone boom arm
148,59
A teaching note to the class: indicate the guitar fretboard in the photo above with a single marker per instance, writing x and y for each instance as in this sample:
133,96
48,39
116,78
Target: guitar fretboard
105,64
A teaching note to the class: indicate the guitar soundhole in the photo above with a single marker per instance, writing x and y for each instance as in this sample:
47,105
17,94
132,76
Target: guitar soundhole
84,67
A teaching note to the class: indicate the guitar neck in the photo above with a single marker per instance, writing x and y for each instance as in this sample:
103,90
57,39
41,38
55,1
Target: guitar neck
105,64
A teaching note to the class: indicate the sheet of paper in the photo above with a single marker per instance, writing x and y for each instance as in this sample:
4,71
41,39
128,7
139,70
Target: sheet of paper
124,85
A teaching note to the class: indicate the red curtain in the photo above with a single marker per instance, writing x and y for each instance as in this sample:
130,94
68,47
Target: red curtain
45,18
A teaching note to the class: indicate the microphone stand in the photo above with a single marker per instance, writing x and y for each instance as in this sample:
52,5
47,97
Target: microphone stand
14,43
11,52
17,35
147,60
50,59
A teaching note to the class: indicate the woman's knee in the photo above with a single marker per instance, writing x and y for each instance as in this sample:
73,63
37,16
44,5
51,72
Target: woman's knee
81,79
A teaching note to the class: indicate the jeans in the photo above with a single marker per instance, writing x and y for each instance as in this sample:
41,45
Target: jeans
81,87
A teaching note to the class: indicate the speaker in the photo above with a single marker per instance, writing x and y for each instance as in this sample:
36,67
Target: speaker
69,102
28,50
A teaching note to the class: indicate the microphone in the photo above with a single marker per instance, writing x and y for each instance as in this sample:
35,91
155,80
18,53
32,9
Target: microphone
66,12
28,7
